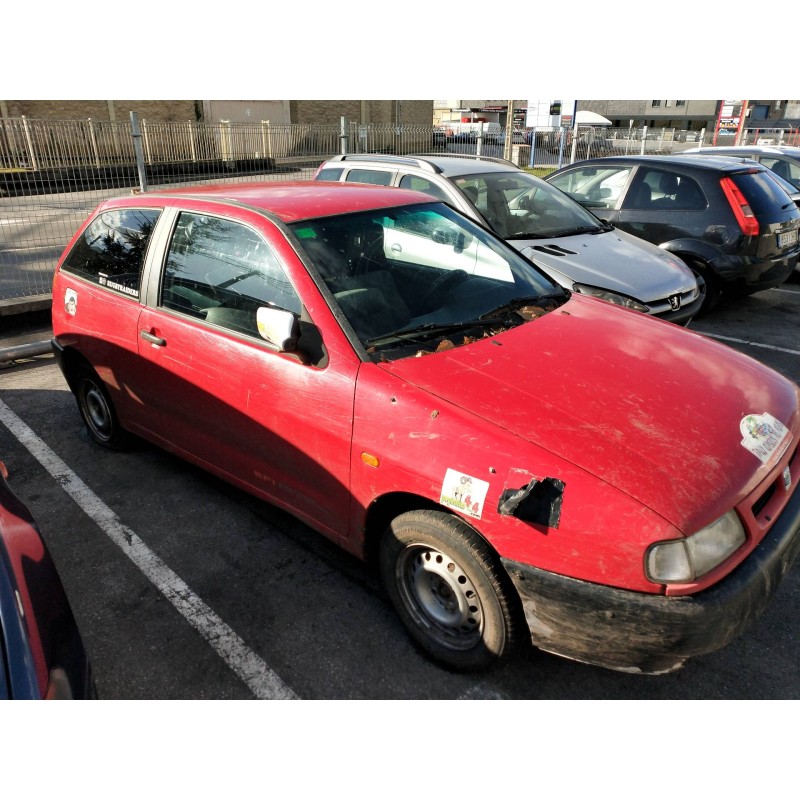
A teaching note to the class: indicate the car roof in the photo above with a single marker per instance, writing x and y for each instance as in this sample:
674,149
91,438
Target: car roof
449,165
291,200
760,148
777,149
710,163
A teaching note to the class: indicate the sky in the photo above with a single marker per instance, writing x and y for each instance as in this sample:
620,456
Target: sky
347,50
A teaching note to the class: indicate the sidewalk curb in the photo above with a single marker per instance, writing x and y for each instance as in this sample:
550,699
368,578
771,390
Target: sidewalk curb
29,350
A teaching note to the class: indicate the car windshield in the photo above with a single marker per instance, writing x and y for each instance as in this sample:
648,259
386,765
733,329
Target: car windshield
517,205
411,278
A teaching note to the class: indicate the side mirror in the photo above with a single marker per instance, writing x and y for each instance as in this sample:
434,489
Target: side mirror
462,242
277,327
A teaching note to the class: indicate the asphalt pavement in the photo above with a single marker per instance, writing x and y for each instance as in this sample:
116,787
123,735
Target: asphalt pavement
227,597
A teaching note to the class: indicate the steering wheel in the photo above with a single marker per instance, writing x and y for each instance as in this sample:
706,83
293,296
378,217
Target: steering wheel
445,282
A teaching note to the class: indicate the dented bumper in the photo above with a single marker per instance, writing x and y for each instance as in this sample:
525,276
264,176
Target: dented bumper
636,632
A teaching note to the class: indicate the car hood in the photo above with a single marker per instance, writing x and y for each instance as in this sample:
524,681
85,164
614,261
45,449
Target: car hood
613,260
644,405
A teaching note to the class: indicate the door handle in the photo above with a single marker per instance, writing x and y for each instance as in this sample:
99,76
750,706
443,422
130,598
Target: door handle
155,340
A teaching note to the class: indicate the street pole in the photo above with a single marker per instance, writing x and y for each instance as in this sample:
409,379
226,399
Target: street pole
136,134
509,131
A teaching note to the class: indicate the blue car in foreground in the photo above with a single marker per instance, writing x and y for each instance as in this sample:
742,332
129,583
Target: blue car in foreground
42,655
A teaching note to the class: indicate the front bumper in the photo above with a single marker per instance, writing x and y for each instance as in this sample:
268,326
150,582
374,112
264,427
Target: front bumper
651,634
684,315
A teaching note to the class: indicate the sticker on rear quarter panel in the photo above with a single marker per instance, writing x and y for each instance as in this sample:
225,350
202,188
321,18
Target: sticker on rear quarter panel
763,435
464,493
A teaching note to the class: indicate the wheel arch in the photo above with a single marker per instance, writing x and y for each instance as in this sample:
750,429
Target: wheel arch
389,506
695,250
70,361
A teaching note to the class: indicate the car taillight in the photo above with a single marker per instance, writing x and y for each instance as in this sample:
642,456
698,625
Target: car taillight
741,208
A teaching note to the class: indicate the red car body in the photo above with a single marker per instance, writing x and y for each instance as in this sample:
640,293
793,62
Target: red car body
633,426
42,656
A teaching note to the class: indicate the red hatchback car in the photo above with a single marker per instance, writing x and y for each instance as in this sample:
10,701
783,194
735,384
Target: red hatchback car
518,462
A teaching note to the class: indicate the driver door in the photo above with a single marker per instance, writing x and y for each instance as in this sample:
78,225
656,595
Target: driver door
227,401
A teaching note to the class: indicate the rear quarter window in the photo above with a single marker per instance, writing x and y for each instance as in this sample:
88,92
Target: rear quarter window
376,176
111,250
330,174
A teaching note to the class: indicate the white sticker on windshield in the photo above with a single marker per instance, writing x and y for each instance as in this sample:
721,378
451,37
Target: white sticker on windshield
763,435
464,493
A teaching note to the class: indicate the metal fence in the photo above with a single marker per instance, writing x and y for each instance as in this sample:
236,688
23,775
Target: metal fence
53,173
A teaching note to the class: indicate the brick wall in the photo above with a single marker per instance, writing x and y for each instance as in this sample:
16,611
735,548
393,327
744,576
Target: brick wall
152,110
329,112
410,112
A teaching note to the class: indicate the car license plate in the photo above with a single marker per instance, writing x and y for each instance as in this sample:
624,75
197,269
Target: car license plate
787,239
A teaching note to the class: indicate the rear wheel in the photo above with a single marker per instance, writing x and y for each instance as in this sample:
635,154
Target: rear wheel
97,410
449,590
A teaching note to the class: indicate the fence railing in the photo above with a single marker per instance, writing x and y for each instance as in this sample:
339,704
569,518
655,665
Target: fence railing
53,173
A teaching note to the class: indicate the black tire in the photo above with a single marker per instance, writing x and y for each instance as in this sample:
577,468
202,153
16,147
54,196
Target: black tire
450,591
710,286
98,411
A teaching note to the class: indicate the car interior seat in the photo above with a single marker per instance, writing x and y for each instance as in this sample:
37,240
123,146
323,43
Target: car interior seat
640,196
667,186
472,194
369,299
782,169
689,196
331,263
367,250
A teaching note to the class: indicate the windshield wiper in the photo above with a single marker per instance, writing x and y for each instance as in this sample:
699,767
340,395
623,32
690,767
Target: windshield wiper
433,329
580,229
531,235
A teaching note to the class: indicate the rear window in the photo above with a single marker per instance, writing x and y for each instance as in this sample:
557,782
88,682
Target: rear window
111,250
766,198
329,174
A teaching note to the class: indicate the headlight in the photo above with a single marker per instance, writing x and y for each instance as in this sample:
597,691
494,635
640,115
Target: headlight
685,560
610,297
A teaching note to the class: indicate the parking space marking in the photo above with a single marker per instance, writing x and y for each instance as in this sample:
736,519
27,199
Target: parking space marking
747,342
255,673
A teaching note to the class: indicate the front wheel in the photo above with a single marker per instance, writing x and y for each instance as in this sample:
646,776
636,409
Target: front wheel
449,590
97,410
709,286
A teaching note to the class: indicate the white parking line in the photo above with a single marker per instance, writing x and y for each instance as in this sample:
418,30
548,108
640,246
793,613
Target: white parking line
748,342
260,679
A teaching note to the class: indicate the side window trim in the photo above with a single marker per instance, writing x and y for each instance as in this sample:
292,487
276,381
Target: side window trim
231,319
156,259
139,295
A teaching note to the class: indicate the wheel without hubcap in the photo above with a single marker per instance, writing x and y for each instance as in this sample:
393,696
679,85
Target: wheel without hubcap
449,589
440,596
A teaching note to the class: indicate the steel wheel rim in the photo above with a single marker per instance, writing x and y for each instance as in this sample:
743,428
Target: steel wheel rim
440,596
98,414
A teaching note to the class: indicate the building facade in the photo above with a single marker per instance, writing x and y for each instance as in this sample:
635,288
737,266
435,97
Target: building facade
398,112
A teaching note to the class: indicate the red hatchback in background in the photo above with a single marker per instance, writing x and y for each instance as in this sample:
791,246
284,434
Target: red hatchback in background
518,462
